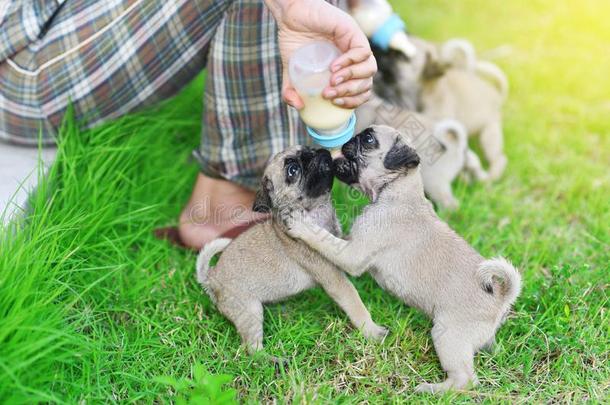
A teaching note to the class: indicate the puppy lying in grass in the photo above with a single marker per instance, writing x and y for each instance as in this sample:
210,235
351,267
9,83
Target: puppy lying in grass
443,146
413,254
447,81
265,265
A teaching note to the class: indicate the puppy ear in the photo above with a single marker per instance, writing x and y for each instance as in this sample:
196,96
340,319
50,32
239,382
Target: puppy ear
262,201
433,69
400,156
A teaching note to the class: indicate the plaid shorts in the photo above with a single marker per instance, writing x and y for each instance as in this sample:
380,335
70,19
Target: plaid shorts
111,57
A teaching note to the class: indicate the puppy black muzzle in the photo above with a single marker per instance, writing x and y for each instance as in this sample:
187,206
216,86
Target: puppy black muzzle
352,148
346,170
346,167
319,174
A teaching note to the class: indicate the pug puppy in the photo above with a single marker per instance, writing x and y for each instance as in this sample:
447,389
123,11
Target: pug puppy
265,265
447,81
399,78
415,255
443,146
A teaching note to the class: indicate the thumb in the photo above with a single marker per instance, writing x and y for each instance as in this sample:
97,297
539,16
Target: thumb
289,93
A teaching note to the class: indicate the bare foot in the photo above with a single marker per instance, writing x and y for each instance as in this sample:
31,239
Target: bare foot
215,207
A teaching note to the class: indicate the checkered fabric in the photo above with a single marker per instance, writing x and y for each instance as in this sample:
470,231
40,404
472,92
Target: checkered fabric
110,57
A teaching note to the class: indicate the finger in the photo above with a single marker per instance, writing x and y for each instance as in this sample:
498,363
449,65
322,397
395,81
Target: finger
351,57
289,93
349,88
362,70
354,101
292,98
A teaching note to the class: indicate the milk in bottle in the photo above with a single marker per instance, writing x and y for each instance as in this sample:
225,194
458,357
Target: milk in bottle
309,69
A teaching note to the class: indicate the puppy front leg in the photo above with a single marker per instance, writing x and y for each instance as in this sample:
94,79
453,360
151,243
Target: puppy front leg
353,257
342,291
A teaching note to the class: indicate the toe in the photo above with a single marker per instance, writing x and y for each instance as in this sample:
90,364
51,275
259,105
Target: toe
375,332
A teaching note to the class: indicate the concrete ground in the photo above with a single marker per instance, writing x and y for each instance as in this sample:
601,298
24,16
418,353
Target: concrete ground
19,175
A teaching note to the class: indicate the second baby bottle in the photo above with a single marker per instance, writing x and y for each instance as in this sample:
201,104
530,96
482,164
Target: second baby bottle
384,28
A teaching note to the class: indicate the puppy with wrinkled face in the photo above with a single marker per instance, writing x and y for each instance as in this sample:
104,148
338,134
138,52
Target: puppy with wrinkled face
414,255
265,265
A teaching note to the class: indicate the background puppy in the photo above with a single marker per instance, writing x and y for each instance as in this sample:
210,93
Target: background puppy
399,79
416,256
443,146
449,82
265,265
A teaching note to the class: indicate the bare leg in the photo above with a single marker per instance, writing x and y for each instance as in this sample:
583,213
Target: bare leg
492,142
215,207
19,175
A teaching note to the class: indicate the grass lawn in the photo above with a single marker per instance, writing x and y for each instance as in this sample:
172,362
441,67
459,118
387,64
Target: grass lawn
93,308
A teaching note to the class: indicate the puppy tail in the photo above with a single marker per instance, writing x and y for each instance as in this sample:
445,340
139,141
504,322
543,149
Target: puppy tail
502,269
458,53
205,255
494,74
451,132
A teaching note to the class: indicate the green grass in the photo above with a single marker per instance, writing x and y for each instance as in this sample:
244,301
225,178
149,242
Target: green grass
93,308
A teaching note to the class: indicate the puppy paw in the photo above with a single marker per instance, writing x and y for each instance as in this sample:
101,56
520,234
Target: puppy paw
496,168
296,229
375,332
430,388
450,203
481,175
290,219
448,384
286,217
297,225
253,347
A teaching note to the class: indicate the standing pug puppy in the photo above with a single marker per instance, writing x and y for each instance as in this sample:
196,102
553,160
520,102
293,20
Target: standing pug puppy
265,265
416,256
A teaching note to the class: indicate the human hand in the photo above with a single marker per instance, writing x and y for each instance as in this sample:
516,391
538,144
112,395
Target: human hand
301,22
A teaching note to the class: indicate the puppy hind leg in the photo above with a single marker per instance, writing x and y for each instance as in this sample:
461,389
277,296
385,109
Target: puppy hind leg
489,346
457,359
492,142
247,316
473,166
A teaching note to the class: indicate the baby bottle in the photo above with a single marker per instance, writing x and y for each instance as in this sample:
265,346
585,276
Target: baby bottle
309,69
383,27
